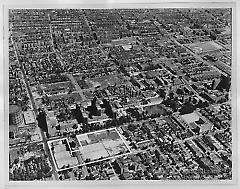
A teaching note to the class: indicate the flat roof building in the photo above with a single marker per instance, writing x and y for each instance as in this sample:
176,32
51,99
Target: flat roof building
15,115
29,117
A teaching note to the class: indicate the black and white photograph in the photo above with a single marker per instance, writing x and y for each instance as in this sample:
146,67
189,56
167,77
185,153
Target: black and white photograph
120,93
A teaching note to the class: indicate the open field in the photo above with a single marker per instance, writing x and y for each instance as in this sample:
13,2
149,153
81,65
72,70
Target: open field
83,83
203,47
189,118
62,156
55,88
108,80
75,97
101,144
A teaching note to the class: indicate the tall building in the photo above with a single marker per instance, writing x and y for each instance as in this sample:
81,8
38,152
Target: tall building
42,123
15,115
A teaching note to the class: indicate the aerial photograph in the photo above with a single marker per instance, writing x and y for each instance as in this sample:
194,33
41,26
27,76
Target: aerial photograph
120,94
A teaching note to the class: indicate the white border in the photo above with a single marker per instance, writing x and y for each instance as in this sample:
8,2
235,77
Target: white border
91,162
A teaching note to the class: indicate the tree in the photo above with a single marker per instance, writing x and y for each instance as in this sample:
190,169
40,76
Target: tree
39,89
72,144
16,161
187,108
132,127
180,91
213,36
162,93
75,126
225,83
171,94
170,103
95,36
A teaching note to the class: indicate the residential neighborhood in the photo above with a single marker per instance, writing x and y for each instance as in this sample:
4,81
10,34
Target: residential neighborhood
120,94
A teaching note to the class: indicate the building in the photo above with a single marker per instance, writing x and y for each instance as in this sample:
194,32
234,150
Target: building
29,117
15,115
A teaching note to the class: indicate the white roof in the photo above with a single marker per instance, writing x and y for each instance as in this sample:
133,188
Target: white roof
29,117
